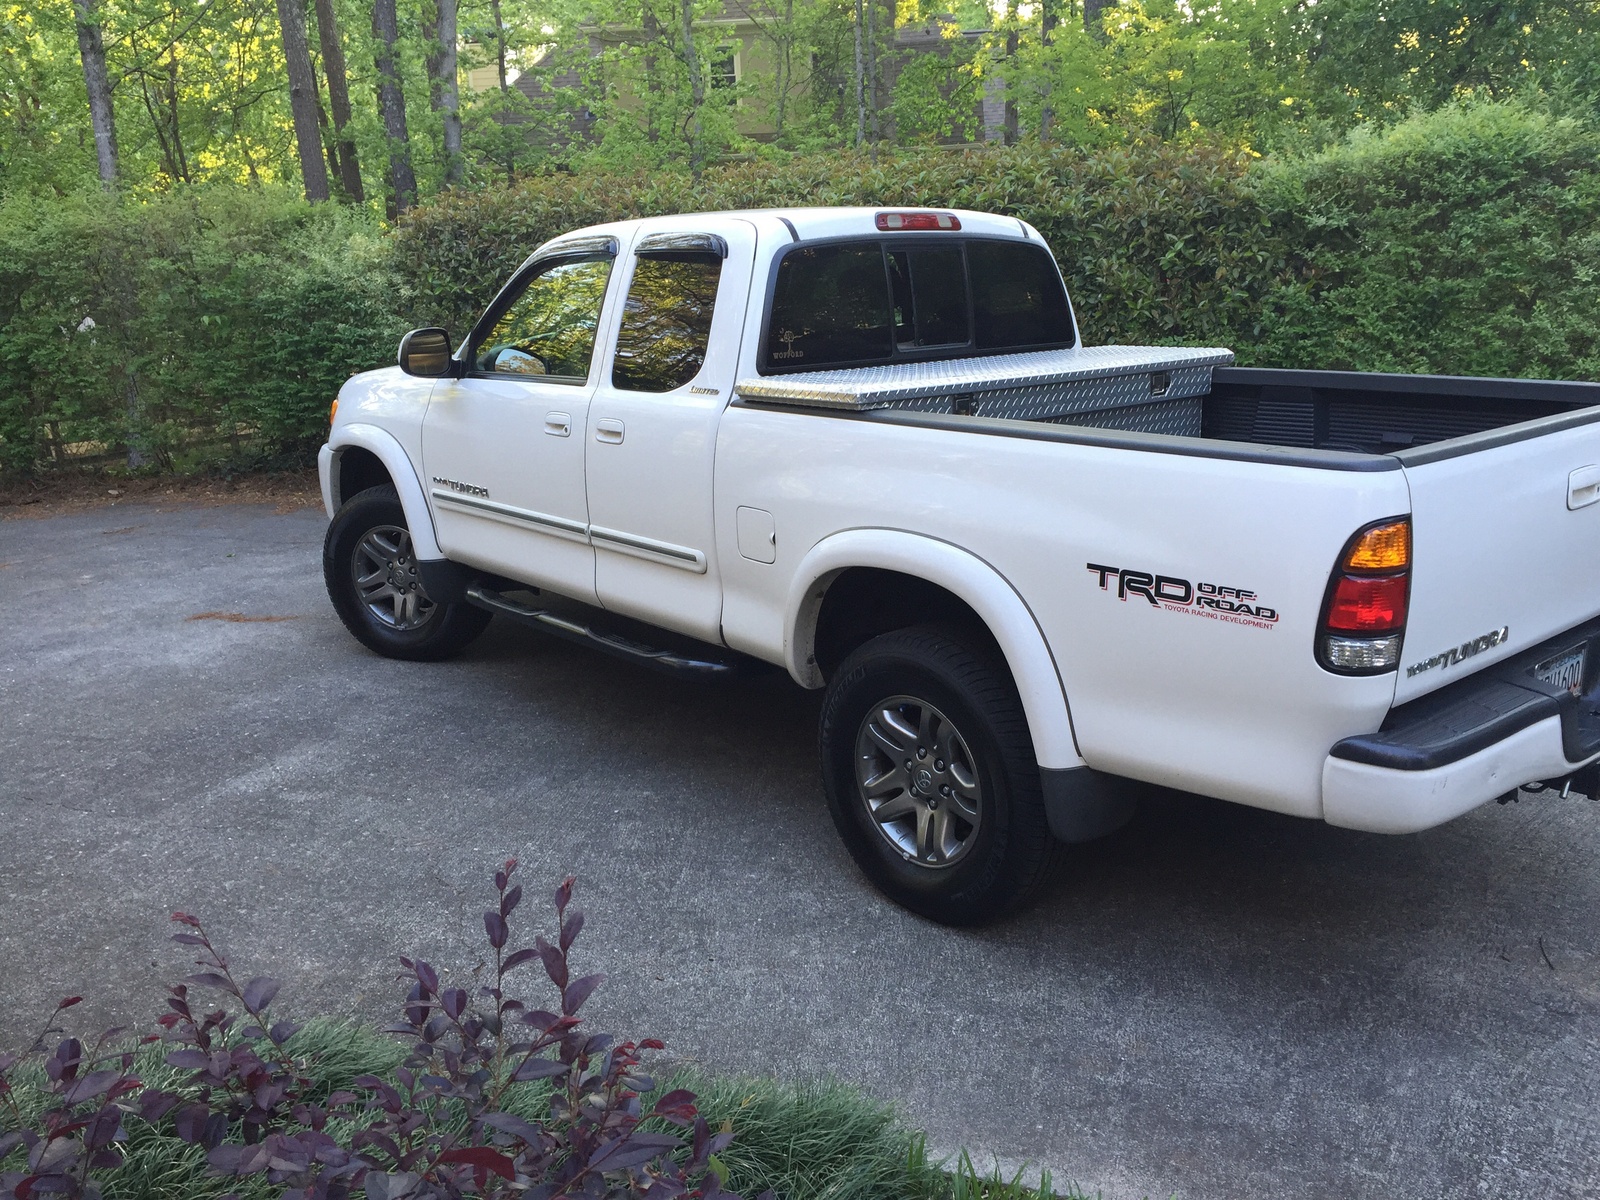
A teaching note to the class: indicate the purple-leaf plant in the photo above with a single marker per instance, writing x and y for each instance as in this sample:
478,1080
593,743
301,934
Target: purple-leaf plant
448,1124
81,1123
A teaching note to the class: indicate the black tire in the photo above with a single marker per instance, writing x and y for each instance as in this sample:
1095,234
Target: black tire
429,631
1008,852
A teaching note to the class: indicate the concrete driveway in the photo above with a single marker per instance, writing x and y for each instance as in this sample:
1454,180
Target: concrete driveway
1216,1002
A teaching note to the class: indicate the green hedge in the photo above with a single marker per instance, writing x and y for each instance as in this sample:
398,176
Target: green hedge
184,327
1465,241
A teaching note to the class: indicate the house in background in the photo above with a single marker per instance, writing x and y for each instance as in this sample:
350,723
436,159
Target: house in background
744,56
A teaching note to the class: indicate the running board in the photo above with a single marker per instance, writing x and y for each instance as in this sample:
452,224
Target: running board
703,667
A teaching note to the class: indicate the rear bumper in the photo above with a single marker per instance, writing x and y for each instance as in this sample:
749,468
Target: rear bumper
1452,750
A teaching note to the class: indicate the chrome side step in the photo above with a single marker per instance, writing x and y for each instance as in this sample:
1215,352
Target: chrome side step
702,666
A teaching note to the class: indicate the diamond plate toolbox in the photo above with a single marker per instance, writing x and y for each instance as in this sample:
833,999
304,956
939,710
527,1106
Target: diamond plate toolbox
1069,386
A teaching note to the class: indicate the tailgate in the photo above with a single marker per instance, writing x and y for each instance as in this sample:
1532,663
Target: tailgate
1506,546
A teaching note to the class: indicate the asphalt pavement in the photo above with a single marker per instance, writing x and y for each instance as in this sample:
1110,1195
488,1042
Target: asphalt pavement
1215,1002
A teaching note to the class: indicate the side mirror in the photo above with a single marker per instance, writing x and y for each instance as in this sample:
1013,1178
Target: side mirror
426,352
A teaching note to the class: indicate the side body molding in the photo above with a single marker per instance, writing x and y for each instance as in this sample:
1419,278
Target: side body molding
393,456
964,575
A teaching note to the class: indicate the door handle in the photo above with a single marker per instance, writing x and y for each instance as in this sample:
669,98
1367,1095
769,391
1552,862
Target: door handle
1583,487
608,429
558,424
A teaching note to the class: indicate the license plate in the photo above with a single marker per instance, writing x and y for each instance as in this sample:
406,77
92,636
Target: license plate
1564,671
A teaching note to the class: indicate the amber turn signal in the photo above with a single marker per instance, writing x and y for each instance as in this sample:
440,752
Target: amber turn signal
1381,548
334,411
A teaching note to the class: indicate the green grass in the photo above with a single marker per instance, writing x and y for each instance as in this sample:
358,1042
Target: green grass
821,1140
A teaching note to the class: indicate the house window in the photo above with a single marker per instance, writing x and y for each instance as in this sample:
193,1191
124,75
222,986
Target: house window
725,67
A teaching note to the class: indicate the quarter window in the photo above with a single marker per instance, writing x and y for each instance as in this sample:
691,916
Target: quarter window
666,322
830,308
1017,298
549,330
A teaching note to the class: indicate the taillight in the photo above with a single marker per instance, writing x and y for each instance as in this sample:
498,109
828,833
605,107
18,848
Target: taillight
918,220
1364,614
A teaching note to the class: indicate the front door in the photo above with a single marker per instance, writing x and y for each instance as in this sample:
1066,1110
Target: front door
503,447
653,423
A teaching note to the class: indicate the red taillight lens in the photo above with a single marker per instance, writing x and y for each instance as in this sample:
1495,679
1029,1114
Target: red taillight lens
918,220
1364,616
1367,604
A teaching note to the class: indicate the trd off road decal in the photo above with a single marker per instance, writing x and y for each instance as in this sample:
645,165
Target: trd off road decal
1237,606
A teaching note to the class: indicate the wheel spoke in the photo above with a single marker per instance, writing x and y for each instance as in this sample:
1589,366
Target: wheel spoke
385,548
895,808
944,846
925,843
966,803
381,592
926,719
893,750
896,720
882,782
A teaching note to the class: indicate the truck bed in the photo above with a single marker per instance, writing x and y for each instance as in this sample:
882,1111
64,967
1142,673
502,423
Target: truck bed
1189,393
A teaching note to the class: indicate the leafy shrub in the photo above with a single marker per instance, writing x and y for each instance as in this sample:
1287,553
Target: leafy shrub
214,314
1464,241
211,320
493,1098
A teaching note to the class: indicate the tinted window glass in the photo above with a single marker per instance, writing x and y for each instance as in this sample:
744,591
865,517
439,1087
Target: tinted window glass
930,297
830,307
550,328
666,322
1017,297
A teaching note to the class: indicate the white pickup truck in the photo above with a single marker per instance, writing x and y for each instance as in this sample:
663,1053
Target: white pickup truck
868,447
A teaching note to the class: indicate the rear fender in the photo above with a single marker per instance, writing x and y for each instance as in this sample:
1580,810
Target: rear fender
971,579
395,460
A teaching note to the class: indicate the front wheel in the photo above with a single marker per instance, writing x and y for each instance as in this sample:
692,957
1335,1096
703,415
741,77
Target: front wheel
931,777
370,567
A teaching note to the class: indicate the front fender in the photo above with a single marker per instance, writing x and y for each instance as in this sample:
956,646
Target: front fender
395,460
962,574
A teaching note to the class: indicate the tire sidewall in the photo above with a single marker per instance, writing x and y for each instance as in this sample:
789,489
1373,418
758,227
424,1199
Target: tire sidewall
976,887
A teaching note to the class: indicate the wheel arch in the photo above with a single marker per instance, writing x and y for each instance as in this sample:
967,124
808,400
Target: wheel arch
857,559
357,453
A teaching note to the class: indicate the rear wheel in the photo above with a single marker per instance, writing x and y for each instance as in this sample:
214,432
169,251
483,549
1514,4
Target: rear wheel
931,777
370,567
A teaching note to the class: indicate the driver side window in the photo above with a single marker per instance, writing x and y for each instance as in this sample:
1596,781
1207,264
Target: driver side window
549,330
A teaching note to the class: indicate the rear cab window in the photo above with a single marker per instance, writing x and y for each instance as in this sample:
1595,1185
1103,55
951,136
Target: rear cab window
872,301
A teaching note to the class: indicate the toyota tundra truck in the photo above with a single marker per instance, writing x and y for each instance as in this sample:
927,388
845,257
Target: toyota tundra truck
868,447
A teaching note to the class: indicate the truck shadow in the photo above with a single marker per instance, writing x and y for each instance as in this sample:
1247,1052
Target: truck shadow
1227,873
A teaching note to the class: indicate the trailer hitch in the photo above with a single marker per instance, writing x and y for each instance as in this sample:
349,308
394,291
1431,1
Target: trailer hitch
1585,781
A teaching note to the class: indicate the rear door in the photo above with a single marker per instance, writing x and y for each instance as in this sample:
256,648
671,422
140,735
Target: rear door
653,421
1506,542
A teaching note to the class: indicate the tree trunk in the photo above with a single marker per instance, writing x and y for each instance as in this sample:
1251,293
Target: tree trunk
1010,112
861,83
93,52
505,90
872,77
697,91
1048,19
333,67
172,115
444,94
785,66
1092,23
303,98
392,107
652,77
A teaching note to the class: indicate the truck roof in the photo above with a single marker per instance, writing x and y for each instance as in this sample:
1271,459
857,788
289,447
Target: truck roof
811,224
